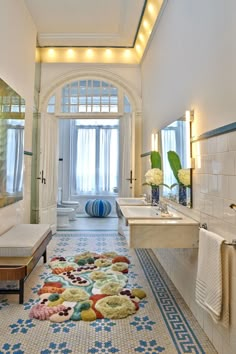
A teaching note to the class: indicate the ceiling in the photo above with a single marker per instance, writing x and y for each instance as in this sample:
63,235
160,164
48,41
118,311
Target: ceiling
86,23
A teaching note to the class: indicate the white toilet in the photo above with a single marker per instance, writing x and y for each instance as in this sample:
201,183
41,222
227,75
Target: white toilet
64,215
71,204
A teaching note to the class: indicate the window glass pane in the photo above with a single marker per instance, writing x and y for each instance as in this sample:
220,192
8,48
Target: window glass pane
127,106
89,100
89,91
105,84
96,83
96,100
89,108
74,88
82,100
96,109
82,83
113,99
15,108
105,91
96,91
82,108
74,100
65,100
65,109
15,100
51,109
82,91
114,91
74,109
105,108
52,100
105,99
65,90
113,108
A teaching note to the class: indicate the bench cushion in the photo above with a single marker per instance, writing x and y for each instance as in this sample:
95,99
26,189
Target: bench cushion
22,240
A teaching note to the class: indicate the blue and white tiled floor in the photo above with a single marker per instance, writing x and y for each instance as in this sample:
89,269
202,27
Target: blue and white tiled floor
163,324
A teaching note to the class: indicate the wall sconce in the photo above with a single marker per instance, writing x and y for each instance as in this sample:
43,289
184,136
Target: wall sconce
154,140
189,116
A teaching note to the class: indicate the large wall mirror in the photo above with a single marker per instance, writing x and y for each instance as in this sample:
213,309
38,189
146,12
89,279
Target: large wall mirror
12,118
176,160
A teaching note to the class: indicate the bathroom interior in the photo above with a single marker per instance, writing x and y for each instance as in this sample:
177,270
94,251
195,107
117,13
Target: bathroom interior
179,76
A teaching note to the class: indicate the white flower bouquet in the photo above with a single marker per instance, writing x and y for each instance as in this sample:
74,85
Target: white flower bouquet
184,176
154,177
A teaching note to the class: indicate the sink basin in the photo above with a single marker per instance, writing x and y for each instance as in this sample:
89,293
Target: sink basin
131,201
146,212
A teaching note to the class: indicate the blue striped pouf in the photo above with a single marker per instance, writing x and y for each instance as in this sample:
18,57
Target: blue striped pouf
98,208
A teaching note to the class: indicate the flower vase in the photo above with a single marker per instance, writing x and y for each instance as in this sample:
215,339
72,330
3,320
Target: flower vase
155,195
182,195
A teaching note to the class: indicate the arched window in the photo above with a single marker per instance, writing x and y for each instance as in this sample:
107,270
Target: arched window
89,96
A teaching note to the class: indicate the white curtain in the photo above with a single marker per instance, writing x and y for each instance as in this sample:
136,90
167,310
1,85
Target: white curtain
85,161
15,155
95,161
108,160
168,138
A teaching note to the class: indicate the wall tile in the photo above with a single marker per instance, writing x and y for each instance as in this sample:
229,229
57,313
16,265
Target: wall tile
228,165
222,143
204,183
213,184
232,141
223,186
211,145
232,187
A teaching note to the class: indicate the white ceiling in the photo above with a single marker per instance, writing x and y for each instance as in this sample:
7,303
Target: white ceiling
106,23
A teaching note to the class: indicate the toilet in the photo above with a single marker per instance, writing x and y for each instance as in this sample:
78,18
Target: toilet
71,204
64,215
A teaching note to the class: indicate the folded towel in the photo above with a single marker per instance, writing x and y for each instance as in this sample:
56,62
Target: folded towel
210,281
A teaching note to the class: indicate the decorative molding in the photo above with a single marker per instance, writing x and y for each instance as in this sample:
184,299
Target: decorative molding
215,132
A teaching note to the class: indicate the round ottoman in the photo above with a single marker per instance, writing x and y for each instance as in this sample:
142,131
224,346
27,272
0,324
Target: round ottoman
98,208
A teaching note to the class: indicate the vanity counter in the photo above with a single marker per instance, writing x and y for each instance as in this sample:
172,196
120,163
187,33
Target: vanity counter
158,232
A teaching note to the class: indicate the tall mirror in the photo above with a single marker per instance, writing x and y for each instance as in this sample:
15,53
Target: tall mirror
176,160
12,115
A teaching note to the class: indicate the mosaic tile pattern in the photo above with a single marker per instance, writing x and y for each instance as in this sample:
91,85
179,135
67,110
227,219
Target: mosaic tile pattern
163,323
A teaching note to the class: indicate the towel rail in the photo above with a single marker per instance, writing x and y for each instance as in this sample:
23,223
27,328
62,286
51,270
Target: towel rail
233,243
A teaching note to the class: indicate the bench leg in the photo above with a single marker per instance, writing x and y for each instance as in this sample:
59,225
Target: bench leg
45,256
21,291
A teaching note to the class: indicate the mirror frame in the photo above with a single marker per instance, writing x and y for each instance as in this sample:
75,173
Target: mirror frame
12,109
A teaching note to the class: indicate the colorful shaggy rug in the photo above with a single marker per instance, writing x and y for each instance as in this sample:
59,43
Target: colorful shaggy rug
87,287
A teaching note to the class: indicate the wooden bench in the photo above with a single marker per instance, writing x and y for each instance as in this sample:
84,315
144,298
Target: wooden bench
21,247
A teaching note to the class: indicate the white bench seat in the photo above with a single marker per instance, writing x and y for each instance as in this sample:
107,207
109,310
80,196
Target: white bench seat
21,247
22,240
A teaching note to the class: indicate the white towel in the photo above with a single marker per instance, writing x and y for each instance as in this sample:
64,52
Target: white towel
209,289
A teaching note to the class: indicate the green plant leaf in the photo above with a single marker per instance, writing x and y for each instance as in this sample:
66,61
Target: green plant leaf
155,159
173,185
175,163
